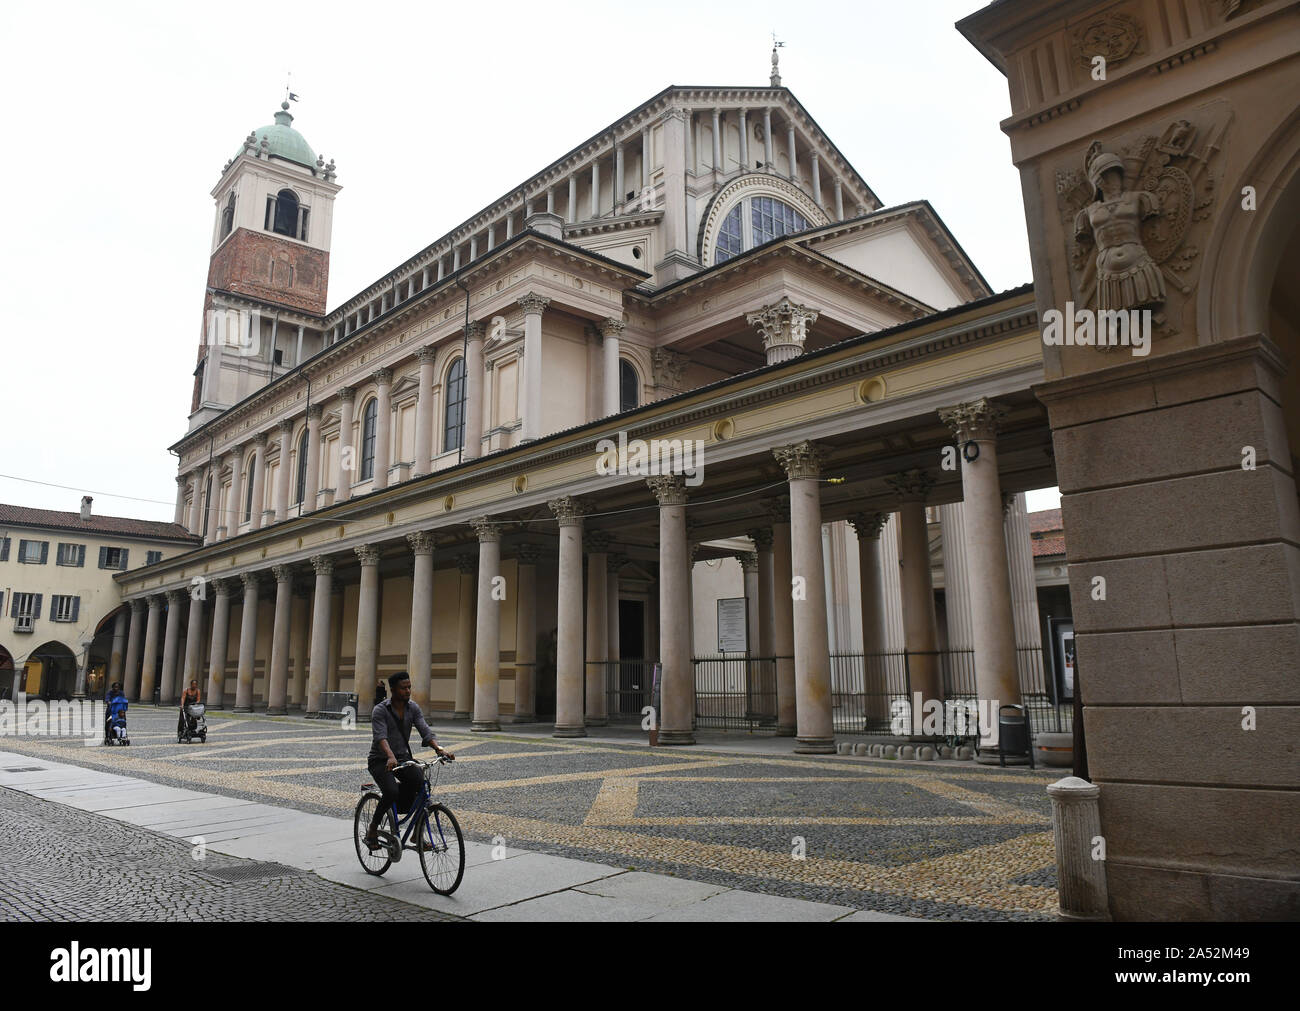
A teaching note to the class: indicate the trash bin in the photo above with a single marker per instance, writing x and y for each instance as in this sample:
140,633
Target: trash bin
1014,734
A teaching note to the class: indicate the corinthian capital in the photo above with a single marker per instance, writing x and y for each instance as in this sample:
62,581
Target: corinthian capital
487,529
533,303
596,542
527,554
668,367
784,327
382,376
367,554
323,564
568,510
611,327
669,489
911,485
868,525
474,330
801,460
975,420
421,542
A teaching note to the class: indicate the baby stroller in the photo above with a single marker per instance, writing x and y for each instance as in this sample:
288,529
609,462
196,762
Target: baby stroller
115,721
192,725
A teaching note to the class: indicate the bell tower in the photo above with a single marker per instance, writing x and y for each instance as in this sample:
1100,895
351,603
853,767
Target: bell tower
269,266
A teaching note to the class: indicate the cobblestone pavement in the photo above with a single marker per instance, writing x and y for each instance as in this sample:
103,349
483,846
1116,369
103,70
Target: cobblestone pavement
58,863
935,840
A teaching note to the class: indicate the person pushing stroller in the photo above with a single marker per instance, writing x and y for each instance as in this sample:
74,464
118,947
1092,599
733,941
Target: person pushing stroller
115,716
191,723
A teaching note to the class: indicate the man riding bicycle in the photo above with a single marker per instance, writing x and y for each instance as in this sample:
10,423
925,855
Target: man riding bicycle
391,723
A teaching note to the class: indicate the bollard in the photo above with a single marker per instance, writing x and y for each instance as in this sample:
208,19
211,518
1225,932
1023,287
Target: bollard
1076,826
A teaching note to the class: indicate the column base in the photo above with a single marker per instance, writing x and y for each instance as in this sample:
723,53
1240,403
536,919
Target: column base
676,737
461,716
277,711
986,757
524,718
815,746
484,726
785,731
596,721
578,731
243,709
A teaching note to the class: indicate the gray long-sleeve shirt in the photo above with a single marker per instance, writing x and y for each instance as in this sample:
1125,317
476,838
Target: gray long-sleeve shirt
385,725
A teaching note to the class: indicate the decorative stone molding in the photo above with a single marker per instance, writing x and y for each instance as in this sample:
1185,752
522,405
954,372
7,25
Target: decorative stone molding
668,366
611,327
260,440
568,510
286,426
486,529
249,579
223,586
315,411
762,538
176,596
322,564
475,330
467,563
533,303
367,554
974,421
382,376
784,326
421,542
748,560
910,485
528,554
347,394
868,525
1114,36
426,354
282,573
596,542
753,184
669,489
801,461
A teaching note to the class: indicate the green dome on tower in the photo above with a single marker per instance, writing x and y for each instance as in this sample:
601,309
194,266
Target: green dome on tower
283,141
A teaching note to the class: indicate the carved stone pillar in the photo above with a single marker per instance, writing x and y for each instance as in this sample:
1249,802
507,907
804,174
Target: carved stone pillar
474,384
784,326
118,649
487,642
149,668
277,691
597,545
347,448
192,665
171,647
783,616
611,330
424,416
318,664
526,556
366,668
383,426
920,629
311,484
677,704
613,647
419,654
533,306
247,643
568,654
282,476
875,674
234,498
465,636
134,647
259,481
812,663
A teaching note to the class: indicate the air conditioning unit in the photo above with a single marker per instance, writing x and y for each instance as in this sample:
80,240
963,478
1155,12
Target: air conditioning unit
24,623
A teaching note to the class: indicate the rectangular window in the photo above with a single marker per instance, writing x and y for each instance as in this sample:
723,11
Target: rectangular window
33,552
153,558
4,549
72,554
25,609
112,558
63,608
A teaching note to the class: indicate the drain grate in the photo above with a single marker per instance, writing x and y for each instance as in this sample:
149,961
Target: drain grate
25,768
252,872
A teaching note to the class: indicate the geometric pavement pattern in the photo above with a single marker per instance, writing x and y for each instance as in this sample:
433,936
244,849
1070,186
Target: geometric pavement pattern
941,841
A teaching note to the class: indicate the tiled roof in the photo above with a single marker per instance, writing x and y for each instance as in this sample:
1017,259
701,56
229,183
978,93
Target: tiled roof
1048,547
1045,521
23,516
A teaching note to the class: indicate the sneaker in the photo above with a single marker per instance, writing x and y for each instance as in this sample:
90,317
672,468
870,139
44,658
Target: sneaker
372,841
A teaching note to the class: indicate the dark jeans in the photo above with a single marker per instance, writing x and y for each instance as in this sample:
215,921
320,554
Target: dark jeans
400,787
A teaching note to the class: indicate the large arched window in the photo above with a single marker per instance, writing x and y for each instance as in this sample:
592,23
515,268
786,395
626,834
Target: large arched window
284,213
453,422
629,386
228,216
369,420
301,483
754,221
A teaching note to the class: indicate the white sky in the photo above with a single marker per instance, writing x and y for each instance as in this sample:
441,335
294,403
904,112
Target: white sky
120,117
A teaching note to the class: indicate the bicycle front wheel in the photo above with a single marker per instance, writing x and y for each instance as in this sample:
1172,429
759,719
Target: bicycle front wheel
372,861
442,850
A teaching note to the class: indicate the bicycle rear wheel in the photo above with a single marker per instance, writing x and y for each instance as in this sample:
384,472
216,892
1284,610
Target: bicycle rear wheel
442,849
377,861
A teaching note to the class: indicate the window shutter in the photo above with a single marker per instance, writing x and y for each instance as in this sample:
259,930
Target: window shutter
81,555
122,567
4,549
103,558
36,608
45,551
13,605
76,608
61,556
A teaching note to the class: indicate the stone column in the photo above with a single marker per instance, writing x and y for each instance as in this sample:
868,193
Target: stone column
956,577
234,498
975,425
424,415
474,391
383,425
595,188
219,645
247,643
195,525
366,668
717,140
597,708
784,326
311,483
612,645
419,653
677,702
487,641
767,139
783,616
753,616
839,200
679,257
875,674
282,476
526,634
320,632
618,175
568,654
119,647
1020,565
465,635
794,161
192,667
690,141
259,481
347,448
920,630
572,209
149,669
766,587
812,663
744,140
134,647
816,179
213,503
171,647
533,306
182,482
611,330
277,691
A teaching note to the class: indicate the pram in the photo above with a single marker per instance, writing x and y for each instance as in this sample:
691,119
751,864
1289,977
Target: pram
192,725
115,721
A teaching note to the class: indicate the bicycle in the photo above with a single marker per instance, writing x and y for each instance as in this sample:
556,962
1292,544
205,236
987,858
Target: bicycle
437,838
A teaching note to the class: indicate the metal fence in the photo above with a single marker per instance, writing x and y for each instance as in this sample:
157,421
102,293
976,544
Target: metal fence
864,688
627,688
736,691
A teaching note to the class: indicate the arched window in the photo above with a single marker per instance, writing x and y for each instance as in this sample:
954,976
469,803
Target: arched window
754,221
302,467
629,384
207,505
248,493
369,422
286,214
453,427
228,216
